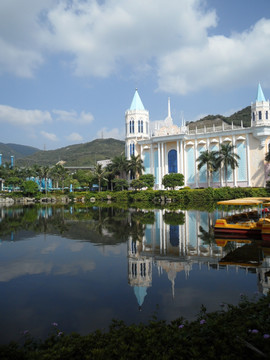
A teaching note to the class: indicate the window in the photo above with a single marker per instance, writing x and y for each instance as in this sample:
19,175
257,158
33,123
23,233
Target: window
266,115
253,116
131,126
140,126
132,149
172,161
260,115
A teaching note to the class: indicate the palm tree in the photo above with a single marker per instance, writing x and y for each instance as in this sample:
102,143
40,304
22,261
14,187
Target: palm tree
226,157
208,158
119,165
58,172
100,174
37,173
44,172
135,166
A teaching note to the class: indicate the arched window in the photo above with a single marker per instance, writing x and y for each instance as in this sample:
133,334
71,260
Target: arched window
131,126
260,115
140,126
132,149
253,116
172,161
266,115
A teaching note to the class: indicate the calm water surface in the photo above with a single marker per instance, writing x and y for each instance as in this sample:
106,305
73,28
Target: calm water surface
81,267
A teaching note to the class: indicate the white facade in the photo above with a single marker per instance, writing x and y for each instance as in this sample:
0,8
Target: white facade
166,148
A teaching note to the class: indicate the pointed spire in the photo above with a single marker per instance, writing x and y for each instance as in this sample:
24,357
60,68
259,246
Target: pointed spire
260,96
169,108
136,102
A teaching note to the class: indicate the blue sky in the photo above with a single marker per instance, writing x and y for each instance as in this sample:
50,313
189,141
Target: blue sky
69,68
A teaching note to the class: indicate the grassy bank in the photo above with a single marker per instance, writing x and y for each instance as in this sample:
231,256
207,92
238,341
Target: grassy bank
233,332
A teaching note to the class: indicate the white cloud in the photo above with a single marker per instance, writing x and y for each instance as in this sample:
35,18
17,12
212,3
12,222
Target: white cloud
169,38
73,116
74,137
22,117
218,63
105,133
49,136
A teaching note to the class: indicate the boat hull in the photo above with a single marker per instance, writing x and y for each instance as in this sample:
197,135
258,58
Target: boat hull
240,231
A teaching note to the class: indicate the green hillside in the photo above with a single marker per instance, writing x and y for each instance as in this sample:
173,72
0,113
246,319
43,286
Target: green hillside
77,155
18,151
242,115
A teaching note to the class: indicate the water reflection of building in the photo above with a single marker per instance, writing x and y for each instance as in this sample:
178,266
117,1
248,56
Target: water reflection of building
139,270
176,248
264,273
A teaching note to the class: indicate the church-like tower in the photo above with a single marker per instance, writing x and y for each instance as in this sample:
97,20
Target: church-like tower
260,110
137,125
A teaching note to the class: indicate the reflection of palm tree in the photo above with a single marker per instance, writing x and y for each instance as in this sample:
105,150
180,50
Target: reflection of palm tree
208,237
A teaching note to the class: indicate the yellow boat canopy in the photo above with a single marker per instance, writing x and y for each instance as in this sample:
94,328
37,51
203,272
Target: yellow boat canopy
245,202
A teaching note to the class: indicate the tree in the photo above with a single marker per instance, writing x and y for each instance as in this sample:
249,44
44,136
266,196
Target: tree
37,173
148,180
137,184
85,178
226,157
119,166
172,180
120,184
29,188
135,166
44,173
208,158
267,156
58,172
100,174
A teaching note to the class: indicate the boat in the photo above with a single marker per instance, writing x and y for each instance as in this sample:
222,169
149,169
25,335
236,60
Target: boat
238,230
254,225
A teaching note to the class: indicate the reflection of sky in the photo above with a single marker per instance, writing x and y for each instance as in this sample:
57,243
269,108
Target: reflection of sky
47,278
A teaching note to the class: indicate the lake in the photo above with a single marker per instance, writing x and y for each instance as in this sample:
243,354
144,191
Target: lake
81,267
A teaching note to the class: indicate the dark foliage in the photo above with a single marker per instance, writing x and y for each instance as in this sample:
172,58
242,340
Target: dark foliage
233,333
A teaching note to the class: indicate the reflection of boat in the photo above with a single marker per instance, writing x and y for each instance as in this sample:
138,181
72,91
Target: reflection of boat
245,225
248,255
224,242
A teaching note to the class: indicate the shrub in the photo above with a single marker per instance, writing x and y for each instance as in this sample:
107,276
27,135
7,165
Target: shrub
172,180
29,188
148,180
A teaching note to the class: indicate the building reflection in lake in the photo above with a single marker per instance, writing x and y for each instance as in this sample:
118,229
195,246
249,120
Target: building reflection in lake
176,248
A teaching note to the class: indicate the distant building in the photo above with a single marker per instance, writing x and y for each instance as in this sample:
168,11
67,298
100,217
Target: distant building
104,163
167,148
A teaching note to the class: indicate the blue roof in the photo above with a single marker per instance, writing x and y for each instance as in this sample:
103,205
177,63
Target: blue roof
140,292
260,96
136,102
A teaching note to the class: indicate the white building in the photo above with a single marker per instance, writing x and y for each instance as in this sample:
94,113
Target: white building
166,148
